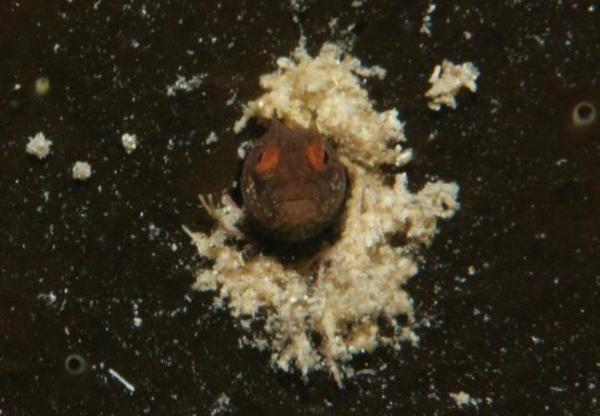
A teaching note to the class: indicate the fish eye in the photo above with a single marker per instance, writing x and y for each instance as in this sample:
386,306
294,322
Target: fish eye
268,159
318,156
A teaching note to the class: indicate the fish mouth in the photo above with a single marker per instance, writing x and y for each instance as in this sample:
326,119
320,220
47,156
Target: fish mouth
299,211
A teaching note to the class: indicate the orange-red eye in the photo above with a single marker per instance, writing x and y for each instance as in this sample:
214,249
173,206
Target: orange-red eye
268,159
317,156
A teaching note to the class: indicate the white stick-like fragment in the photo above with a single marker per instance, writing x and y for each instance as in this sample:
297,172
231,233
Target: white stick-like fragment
130,387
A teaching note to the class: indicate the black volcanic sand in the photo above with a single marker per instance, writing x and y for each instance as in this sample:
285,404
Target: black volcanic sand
80,261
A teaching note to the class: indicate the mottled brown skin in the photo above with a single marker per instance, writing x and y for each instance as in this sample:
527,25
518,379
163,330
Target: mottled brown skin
293,183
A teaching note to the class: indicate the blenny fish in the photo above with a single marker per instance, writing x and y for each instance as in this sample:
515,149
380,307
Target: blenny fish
293,183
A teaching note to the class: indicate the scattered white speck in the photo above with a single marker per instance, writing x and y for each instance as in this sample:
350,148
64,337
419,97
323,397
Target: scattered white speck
121,380
137,321
471,270
49,298
561,162
17,87
447,79
463,399
153,231
426,25
82,171
536,340
212,138
243,147
185,84
231,99
468,35
129,142
540,40
333,24
39,146
297,5
221,405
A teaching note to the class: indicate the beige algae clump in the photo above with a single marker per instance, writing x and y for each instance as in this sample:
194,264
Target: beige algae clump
357,281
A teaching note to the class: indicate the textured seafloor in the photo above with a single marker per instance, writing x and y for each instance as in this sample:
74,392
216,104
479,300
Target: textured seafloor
507,294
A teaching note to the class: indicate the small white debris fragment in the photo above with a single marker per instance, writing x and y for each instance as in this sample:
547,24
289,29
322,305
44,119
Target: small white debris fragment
463,399
121,380
49,298
17,87
243,148
129,142
221,406
39,146
536,340
560,162
426,25
471,270
82,171
185,84
231,99
447,79
212,138
42,86
137,321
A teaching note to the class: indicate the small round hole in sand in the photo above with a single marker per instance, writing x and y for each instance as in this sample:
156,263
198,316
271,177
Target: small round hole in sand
584,114
75,364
